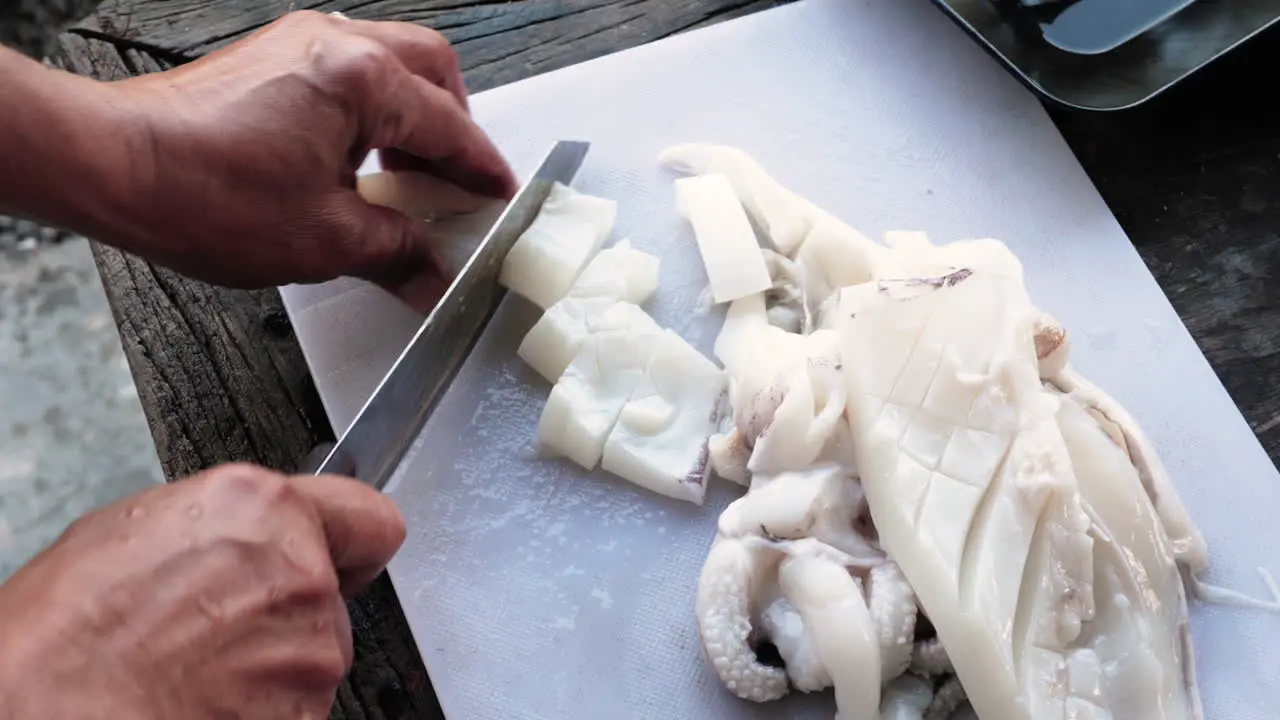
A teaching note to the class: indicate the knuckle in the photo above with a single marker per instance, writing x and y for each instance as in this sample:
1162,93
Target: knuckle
317,580
246,479
363,62
437,43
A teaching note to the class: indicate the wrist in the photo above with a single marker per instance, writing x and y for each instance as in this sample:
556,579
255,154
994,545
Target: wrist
74,149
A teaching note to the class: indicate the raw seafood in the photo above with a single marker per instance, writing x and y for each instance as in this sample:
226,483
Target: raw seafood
915,442
588,398
628,396
566,234
620,272
660,439
553,341
417,195
1000,481
730,253
1004,516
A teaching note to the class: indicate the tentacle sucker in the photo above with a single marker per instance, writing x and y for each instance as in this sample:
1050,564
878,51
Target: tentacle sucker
893,608
730,577
786,630
929,658
946,699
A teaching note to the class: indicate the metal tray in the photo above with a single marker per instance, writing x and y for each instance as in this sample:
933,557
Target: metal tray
1108,54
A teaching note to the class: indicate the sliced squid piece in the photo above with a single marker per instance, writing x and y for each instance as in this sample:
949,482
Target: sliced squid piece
588,398
553,341
836,617
968,479
418,195
812,406
730,253
566,234
660,439
620,272
746,326
835,255
783,215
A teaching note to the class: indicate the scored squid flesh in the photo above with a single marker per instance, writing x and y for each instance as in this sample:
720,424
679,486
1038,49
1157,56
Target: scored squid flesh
994,473
914,441
1003,503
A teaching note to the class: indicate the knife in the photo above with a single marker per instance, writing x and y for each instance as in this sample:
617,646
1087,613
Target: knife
372,447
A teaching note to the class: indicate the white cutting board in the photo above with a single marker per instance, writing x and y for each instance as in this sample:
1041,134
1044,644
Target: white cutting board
535,590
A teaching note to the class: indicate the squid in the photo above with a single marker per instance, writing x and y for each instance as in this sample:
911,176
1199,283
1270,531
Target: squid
1023,505
914,442
791,564
1016,495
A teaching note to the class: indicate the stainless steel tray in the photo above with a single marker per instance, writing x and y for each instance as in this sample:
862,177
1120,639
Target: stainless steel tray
1109,54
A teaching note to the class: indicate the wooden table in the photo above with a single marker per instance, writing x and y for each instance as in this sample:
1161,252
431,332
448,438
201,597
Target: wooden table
1194,178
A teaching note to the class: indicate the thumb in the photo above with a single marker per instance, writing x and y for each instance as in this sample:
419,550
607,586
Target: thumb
395,252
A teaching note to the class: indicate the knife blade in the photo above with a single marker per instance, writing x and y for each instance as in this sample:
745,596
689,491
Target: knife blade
373,446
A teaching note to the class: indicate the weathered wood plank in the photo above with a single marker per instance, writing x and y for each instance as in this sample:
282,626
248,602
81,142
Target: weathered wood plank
221,378
497,42
31,26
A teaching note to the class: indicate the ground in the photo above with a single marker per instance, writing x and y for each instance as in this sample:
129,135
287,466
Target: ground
72,433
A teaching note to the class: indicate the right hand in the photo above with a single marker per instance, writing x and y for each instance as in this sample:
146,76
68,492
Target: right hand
244,164
217,596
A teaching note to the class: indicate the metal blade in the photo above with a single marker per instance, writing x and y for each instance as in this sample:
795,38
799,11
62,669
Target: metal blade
371,449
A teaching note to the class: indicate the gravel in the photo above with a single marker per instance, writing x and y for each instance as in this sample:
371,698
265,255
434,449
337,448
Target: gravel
21,234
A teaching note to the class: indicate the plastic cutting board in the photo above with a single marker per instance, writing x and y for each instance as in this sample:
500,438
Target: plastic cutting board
535,590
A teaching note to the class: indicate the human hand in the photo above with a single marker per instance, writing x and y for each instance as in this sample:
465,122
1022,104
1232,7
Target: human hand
217,596
248,155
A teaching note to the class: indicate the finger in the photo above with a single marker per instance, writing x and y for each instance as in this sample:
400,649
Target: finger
423,120
425,52
342,628
363,527
393,251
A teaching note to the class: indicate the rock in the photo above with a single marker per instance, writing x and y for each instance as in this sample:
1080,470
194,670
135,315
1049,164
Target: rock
8,239
50,235
25,228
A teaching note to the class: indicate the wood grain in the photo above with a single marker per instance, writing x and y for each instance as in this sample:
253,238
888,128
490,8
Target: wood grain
32,26
497,42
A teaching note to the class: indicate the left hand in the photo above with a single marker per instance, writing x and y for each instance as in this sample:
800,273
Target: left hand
244,170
